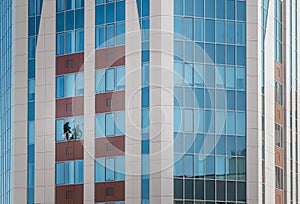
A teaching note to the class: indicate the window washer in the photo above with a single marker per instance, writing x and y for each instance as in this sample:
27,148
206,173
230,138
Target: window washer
67,130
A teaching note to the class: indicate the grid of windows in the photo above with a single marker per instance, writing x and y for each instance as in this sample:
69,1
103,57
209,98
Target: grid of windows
110,124
210,100
110,23
110,79
70,85
34,16
110,169
5,100
69,172
69,26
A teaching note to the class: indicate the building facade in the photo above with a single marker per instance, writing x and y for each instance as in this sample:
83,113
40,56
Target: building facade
174,101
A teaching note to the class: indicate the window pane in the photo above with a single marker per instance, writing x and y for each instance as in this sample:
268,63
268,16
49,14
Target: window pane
79,171
110,79
31,90
230,32
60,173
120,123
120,34
79,127
60,5
31,47
110,34
99,36
70,174
79,18
60,44
99,170
199,8
99,15
109,124
70,42
30,180
69,20
120,168
230,77
189,7
100,81
110,12
79,3
120,11
31,7
178,166
31,111
31,132
60,19
79,40
120,77
188,120
59,129
145,73
70,4
60,87
109,169
209,8
189,165
189,28
199,30
100,125
31,26
188,74
70,85
79,84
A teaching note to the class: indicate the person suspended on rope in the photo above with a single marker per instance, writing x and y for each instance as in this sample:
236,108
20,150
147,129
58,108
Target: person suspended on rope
67,130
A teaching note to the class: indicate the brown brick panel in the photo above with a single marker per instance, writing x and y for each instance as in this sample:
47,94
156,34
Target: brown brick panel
110,102
278,114
278,157
69,194
110,57
278,197
67,64
69,107
278,72
110,146
69,150
110,191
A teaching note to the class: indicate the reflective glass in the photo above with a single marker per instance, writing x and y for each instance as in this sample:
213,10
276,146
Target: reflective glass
100,125
110,34
69,85
120,123
189,7
60,87
31,133
110,79
209,9
100,36
60,173
70,42
120,33
69,23
109,124
100,81
99,15
120,15
79,40
79,171
220,9
79,17
110,12
120,168
189,165
79,84
199,8
60,5
69,172
120,78
109,169
60,44
100,170
31,90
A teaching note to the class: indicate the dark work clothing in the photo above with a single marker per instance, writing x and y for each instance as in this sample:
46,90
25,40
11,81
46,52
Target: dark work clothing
67,130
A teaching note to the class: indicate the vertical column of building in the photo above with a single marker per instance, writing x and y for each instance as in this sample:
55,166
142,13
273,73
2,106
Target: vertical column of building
279,78
34,17
44,103
109,96
89,102
69,134
13,100
133,82
161,101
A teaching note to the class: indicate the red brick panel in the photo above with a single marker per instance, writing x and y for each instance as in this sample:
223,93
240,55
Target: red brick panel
110,57
69,194
110,191
69,150
110,146
69,107
72,63
109,102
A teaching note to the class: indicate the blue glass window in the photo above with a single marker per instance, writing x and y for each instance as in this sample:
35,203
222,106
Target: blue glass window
110,80
110,33
100,125
189,165
120,168
220,9
230,77
230,9
31,90
60,87
60,44
69,172
31,133
230,32
69,20
145,97
31,47
120,123
241,33
178,7
99,170
120,6
100,37
99,15
110,169
199,30
69,85
79,3
110,12
100,81
79,84
60,19
31,69
31,111
120,78
199,8
189,28
109,124
220,31
60,173
70,42
189,7
70,4
31,27
79,18
209,8
79,171
79,40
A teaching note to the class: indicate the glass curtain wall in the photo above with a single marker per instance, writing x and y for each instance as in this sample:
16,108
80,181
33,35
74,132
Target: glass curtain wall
210,101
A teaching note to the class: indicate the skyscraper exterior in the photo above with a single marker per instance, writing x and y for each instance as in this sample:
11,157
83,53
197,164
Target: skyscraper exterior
166,101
